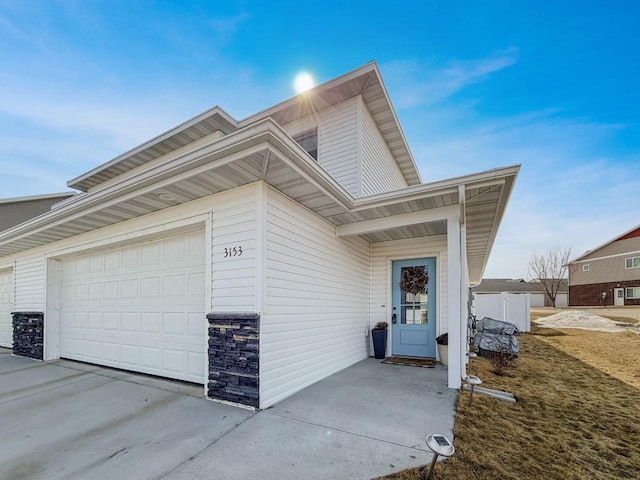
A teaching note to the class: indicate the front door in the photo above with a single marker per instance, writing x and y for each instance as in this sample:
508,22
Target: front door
413,320
618,298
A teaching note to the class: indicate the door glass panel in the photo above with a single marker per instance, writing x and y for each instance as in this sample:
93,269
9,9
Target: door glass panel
414,307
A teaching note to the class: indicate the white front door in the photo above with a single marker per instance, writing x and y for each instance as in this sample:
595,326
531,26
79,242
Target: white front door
618,296
6,307
139,307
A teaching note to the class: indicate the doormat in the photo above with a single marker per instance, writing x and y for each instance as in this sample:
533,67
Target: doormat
411,361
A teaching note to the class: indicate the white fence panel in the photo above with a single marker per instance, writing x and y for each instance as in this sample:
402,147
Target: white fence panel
509,307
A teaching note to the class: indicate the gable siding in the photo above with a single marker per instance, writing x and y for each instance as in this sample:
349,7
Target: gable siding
381,256
607,264
29,283
317,289
14,213
380,172
338,149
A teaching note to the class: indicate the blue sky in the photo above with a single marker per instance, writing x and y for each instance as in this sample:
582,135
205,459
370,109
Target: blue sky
551,85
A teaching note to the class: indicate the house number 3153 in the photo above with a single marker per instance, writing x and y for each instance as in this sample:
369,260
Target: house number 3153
233,251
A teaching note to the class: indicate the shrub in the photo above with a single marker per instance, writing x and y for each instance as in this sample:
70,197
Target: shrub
500,361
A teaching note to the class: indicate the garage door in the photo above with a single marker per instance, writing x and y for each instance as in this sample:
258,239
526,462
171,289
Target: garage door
6,307
139,308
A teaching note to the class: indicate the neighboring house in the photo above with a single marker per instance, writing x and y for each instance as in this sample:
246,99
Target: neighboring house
538,298
608,274
14,211
293,226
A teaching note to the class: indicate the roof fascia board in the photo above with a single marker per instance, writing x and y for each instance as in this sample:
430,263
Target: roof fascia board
170,169
505,195
150,165
307,167
477,180
402,220
589,252
113,196
397,122
268,112
260,136
32,198
216,110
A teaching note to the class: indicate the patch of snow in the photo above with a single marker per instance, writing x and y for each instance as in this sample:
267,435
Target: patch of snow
584,321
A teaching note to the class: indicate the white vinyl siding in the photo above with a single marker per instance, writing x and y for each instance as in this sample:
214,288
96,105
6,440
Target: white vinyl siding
613,262
317,300
381,256
233,282
380,172
231,214
138,307
6,307
29,284
338,149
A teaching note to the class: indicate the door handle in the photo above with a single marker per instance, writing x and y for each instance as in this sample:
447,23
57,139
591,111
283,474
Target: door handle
394,318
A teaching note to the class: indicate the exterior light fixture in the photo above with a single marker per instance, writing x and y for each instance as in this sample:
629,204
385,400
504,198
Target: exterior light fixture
439,445
473,381
167,197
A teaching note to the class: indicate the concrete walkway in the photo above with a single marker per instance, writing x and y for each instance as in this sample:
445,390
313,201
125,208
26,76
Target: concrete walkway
70,420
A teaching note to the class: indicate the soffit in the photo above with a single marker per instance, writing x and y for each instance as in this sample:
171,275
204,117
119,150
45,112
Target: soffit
365,81
260,152
265,152
484,209
194,129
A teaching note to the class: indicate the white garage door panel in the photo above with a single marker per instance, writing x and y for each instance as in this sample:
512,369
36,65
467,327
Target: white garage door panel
6,307
139,308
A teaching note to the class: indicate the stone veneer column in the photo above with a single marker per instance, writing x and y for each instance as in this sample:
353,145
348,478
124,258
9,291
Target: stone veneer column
28,334
234,357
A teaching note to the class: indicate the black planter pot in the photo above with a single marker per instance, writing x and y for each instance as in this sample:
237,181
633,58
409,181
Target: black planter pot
379,343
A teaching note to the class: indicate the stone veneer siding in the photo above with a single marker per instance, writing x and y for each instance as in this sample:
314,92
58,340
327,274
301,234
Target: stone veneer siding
28,334
591,295
234,357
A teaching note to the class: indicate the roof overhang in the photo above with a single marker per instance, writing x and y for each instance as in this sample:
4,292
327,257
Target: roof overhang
33,198
365,81
214,119
263,151
633,232
425,209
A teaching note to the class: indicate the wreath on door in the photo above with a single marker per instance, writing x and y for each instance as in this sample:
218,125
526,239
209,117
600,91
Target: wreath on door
414,280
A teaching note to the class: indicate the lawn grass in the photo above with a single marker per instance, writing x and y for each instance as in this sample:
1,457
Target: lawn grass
571,420
619,319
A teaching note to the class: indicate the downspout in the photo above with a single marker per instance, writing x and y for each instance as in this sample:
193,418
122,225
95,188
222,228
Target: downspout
464,281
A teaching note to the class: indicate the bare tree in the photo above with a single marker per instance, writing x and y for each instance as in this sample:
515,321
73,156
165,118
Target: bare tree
550,269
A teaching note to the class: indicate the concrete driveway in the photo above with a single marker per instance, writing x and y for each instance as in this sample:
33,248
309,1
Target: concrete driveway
61,420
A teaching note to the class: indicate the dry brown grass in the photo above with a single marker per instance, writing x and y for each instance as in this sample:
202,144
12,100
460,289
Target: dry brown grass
571,421
615,354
